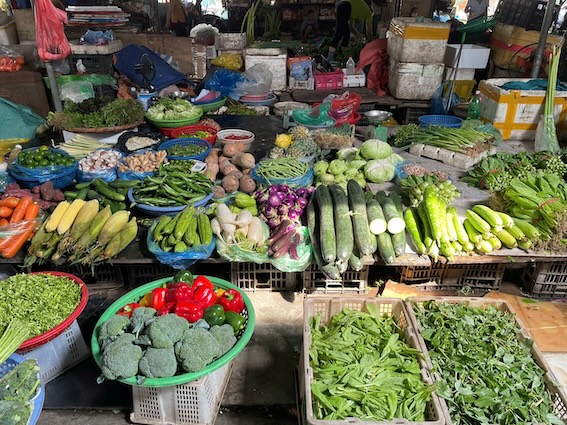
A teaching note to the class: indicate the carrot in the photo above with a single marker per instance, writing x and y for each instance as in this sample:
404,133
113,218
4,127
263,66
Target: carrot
10,202
16,243
32,211
5,212
20,210
3,222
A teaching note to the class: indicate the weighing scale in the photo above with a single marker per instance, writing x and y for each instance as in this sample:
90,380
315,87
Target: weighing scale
376,130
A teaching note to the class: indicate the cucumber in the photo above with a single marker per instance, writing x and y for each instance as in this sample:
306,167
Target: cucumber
121,184
314,232
394,220
182,222
399,239
412,226
355,261
376,221
105,190
357,205
343,223
163,220
326,224
386,248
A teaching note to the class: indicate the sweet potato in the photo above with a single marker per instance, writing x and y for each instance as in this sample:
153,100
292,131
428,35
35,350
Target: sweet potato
47,190
226,167
247,184
244,160
212,162
236,173
219,192
230,183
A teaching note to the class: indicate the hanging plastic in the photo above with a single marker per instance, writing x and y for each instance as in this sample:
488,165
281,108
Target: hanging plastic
52,44
258,80
304,252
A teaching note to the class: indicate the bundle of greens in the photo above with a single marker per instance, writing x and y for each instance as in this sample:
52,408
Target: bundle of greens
496,172
17,388
488,375
97,113
363,368
413,186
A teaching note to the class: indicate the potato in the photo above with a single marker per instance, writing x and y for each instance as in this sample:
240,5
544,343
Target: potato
247,184
230,183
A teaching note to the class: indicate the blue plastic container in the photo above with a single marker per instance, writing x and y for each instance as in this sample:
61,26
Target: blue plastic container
186,142
440,120
159,211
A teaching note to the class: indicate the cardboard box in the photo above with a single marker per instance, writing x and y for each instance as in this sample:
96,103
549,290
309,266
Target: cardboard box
25,24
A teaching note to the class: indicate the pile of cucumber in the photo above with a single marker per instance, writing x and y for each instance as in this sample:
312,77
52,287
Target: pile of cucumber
185,230
113,194
344,227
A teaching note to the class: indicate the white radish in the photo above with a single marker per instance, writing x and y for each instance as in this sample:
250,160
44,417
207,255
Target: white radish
226,220
244,218
256,232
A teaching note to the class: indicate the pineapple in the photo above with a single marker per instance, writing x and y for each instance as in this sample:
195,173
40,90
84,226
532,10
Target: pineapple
276,153
300,132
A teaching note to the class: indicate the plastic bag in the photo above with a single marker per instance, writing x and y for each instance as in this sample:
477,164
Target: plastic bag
439,103
10,61
179,260
304,251
224,81
204,34
234,253
77,91
97,38
546,141
231,61
258,80
52,44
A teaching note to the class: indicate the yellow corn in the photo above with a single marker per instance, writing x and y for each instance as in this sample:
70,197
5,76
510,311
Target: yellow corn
84,218
114,225
70,215
128,234
56,216
90,235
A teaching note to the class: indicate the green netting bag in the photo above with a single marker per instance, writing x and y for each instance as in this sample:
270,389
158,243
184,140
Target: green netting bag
304,251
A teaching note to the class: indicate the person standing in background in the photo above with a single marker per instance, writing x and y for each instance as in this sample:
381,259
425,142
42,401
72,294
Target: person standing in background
177,18
476,9
347,12
310,25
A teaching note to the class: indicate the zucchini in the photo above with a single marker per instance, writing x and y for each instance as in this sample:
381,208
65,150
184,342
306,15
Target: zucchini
414,231
326,224
394,220
376,221
386,248
357,205
355,261
343,223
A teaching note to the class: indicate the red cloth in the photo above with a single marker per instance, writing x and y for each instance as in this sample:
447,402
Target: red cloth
52,44
375,54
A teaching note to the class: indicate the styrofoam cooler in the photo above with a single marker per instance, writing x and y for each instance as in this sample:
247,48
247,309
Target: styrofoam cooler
274,59
414,81
59,354
420,42
472,56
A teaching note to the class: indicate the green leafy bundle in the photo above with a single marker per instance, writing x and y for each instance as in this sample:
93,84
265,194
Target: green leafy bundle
488,375
363,368
413,186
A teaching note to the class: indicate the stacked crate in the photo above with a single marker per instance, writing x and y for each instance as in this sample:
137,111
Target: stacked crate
416,51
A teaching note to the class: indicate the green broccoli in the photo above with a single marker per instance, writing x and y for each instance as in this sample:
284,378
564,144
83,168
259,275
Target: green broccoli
15,412
197,349
141,318
110,329
224,335
166,330
158,363
121,357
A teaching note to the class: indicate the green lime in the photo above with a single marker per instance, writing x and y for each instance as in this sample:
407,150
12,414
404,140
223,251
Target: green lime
44,163
69,161
43,148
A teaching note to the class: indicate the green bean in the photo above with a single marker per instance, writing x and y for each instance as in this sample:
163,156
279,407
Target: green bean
281,168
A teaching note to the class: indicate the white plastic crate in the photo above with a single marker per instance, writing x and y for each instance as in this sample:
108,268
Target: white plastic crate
194,403
414,81
87,49
275,63
59,354
472,56
314,280
302,85
261,277
356,80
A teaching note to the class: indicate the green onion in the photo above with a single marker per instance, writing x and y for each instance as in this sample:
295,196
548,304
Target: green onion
15,333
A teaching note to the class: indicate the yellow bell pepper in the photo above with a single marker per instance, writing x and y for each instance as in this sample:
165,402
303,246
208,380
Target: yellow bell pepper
283,141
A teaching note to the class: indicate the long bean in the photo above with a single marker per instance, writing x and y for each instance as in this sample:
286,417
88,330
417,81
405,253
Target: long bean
281,168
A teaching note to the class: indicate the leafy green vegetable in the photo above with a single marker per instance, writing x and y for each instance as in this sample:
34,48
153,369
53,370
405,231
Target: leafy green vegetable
375,149
173,109
363,368
488,375
42,301
379,170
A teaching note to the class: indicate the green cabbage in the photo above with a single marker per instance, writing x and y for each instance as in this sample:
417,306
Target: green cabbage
379,171
375,149
357,164
320,168
396,159
347,154
337,166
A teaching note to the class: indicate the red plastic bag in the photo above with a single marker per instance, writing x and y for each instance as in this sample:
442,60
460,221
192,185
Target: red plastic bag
10,61
375,54
52,44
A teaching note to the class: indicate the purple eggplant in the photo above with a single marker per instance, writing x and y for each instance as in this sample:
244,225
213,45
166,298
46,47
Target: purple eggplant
284,241
279,231
293,247
302,202
275,201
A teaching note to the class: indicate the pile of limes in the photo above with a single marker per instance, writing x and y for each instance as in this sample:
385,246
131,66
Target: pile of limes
43,157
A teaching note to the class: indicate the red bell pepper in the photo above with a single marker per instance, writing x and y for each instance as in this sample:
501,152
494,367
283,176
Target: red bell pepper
178,291
166,309
231,300
128,309
202,281
158,298
189,309
204,295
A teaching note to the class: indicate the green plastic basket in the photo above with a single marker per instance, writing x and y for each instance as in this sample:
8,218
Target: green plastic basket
136,294
175,123
211,107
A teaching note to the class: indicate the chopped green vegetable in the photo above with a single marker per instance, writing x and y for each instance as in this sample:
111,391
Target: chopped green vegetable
173,109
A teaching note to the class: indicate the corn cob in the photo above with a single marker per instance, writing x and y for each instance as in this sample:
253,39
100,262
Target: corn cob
39,239
516,232
507,239
56,216
70,215
484,247
524,244
473,234
114,224
507,221
84,218
489,216
121,240
478,222
90,235
495,242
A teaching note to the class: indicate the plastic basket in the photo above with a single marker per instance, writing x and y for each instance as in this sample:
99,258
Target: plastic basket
557,394
59,354
158,211
440,120
187,130
185,142
212,106
94,64
328,307
304,180
195,403
57,330
262,277
329,80
37,401
353,282
546,280
136,294
175,123
60,181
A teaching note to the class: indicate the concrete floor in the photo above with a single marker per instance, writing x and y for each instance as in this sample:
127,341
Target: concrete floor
262,387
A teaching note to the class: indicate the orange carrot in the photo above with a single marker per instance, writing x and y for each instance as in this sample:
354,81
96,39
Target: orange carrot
32,211
20,210
3,222
16,243
5,212
10,202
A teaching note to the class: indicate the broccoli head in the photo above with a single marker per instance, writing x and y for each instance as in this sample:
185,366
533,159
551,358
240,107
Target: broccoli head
197,349
121,357
158,363
166,330
110,329
140,318
224,334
